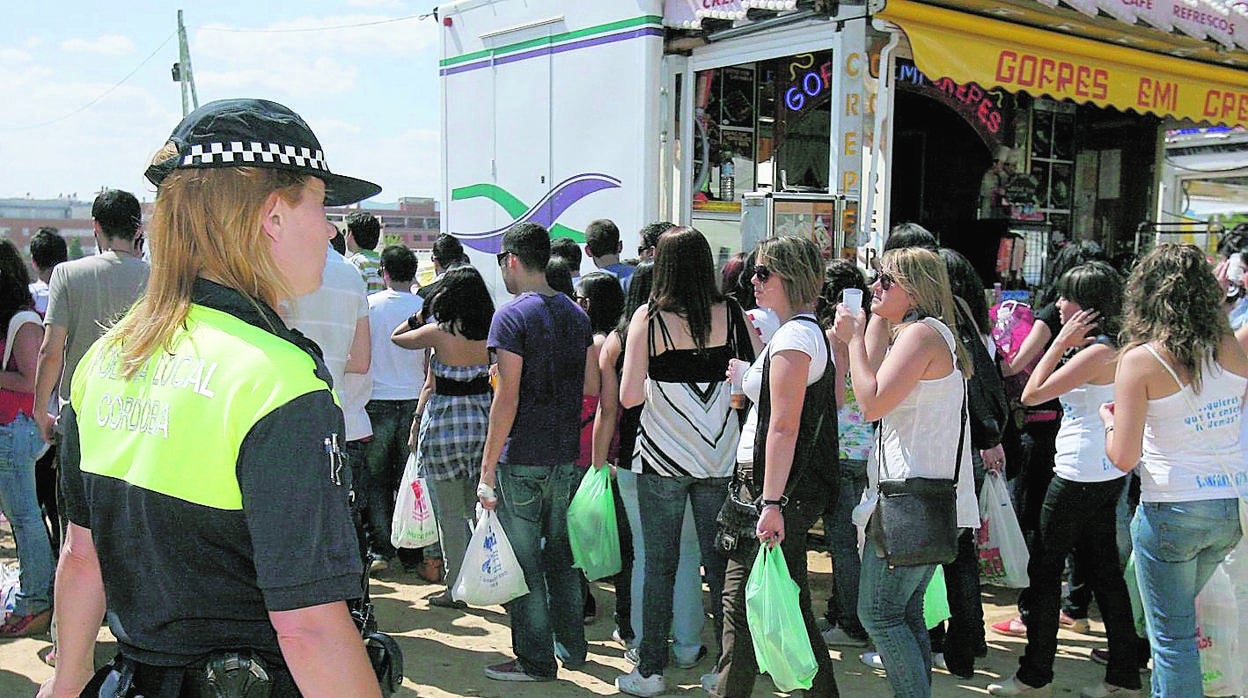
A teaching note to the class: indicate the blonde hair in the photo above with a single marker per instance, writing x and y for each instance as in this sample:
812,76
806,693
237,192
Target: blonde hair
923,275
206,223
796,260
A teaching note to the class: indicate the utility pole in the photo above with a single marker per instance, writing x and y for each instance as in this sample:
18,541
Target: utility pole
182,71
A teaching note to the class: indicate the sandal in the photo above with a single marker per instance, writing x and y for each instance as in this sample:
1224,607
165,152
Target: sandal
26,626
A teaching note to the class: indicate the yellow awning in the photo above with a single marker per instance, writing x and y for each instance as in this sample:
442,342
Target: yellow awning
993,53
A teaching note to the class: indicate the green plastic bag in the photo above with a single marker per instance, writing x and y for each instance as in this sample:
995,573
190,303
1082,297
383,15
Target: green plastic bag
936,600
592,530
1133,591
781,644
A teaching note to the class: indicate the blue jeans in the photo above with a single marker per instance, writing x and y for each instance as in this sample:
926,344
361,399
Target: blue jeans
663,508
19,442
890,606
843,547
687,614
533,511
385,454
1078,517
1178,545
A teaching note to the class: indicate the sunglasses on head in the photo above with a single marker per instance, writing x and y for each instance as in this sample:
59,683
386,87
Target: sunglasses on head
502,257
762,272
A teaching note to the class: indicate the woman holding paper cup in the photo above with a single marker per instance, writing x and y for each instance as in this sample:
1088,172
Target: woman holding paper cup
917,392
787,449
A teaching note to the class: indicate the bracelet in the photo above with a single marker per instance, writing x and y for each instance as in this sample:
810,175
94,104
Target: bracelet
778,503
414,321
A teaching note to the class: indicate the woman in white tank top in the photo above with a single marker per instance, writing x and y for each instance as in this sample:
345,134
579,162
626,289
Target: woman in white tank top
1080,505
916,392
1178,396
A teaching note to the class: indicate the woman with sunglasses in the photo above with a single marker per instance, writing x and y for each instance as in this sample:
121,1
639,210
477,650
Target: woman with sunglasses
917,391
785,457
675,363
1178,397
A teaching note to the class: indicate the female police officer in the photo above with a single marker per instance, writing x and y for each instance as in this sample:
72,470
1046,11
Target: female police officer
206,496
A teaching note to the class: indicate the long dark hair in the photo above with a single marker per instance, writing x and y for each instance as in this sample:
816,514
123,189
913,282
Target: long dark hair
965,283
684,281
14,283
462,304
639,286
605,298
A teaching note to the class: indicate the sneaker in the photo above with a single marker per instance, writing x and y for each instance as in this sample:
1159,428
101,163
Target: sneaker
377,563
1013,627
872,659
26,626
1013,687
512,671
632,655
836,637
1101,657
619,639
691,663
634,684
1106,690
444,600
709,680
1074,625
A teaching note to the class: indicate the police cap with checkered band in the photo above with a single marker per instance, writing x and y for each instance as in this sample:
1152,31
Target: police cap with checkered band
253,133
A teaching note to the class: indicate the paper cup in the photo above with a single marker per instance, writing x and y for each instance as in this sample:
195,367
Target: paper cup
851,298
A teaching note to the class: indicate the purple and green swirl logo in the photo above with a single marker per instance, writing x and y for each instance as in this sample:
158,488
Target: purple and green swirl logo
545,212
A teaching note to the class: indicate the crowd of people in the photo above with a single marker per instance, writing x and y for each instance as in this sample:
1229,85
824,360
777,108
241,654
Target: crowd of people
231,426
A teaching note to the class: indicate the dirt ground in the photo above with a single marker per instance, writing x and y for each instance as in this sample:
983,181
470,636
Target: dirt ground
445,650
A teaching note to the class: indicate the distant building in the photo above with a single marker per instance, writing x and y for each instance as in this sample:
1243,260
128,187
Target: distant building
414,221
20,219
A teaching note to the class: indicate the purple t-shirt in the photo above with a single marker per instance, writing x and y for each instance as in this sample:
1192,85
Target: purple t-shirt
551,334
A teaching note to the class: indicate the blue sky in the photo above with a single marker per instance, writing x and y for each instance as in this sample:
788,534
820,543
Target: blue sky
366,84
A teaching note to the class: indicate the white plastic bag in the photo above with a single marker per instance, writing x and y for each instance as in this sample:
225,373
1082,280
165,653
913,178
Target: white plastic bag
413,525
1003,554
1217,636
10,585
491,574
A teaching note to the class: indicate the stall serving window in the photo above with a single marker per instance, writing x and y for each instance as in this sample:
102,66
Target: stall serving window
762,126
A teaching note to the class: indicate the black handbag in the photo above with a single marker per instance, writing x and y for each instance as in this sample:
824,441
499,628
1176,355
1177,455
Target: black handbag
916,519
736,525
